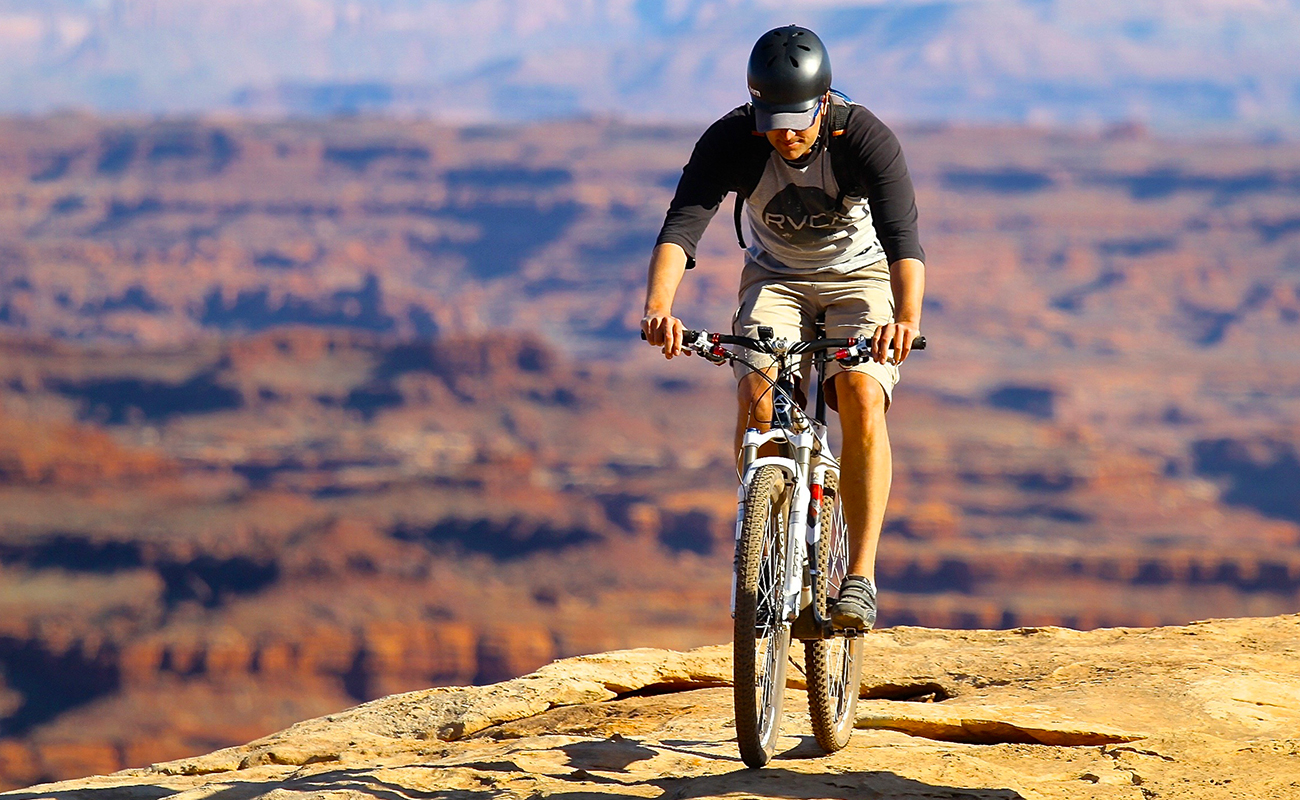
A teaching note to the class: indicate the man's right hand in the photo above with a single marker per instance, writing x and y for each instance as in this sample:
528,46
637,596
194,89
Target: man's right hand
659,326
665,331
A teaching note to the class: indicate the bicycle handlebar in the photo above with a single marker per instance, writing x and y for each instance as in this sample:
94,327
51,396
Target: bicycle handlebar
690,337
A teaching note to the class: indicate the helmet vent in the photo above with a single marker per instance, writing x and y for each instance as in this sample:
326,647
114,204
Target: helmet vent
804,47
794,63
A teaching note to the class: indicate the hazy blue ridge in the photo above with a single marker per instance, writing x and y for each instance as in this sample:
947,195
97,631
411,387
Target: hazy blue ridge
1196,63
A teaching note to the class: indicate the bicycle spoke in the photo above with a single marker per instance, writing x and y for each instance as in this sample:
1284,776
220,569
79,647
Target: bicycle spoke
834,665
838,565
761,633
771,600
770,610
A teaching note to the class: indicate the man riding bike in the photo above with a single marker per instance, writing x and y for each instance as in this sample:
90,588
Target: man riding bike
832,218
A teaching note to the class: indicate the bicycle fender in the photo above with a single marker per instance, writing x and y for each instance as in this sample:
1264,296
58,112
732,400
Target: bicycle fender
756,439
786,465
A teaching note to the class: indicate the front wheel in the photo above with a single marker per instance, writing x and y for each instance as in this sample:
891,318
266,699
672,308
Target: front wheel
762,633
834,666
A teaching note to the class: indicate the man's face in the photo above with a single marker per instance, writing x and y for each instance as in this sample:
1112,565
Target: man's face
792,145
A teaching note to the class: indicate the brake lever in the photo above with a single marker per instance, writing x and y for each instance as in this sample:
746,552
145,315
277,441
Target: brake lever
713,355
860,351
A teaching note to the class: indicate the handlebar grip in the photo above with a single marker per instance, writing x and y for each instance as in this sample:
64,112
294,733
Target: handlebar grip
917,344
688,336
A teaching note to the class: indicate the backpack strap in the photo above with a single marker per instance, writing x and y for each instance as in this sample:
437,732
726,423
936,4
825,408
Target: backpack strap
840,103
739,204
736,209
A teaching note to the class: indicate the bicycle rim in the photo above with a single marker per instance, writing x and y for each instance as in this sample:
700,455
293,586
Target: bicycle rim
762,634
833,666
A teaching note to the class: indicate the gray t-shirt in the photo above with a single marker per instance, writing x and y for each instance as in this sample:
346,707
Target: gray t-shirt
798,228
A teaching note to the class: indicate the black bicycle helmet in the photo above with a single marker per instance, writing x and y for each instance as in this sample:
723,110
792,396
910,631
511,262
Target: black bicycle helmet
789,72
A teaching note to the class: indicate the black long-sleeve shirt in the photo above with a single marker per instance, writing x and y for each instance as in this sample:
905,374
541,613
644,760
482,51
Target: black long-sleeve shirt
846,205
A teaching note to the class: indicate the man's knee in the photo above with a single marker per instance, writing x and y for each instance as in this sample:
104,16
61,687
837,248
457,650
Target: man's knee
754,388
754,400
860,394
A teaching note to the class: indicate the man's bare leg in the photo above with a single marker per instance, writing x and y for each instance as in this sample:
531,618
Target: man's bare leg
866,466
754,404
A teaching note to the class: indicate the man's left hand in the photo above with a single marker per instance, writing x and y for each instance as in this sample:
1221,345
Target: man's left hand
899,336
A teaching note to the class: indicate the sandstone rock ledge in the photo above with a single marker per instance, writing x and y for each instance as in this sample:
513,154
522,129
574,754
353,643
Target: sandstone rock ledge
1210,709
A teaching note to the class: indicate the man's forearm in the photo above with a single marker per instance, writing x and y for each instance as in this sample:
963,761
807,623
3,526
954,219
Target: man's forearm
907,281
667,266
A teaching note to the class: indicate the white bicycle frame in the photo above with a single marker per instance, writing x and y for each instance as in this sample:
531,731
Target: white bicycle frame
807,475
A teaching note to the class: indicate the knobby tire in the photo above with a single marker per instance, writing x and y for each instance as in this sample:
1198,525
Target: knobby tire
833,666
762,634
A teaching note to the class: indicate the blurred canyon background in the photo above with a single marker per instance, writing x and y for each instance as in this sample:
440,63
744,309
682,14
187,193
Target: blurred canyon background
319,369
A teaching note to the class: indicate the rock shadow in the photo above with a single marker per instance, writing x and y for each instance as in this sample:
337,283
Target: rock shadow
614,754
779,782
133,792
767,782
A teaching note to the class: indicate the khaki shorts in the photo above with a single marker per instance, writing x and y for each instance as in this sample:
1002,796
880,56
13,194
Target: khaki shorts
853,307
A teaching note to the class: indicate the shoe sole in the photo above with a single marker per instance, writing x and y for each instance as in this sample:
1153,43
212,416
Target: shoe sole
860,623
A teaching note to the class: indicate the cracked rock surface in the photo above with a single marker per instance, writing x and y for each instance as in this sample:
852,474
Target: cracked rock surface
1205,710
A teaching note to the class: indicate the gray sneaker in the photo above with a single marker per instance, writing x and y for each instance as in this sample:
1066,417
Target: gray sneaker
856,606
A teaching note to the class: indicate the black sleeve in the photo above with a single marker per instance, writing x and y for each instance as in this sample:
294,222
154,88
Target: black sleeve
721,162
870,156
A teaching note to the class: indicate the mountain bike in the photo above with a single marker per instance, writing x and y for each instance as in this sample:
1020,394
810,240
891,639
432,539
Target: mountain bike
792,550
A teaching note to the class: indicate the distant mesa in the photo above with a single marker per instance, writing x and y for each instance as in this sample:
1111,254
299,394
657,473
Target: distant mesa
115,401
360,157
508,177
514,539
370,399
209,150
275,260
1159,183
134,298
1074,299
1137,247
508,233
1036,401
253,310
1261,473
1277,229
320,99
56,168
68,204
996,181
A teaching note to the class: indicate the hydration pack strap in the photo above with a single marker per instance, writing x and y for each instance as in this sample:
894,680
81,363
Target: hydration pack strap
736,208
839,121
839,113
